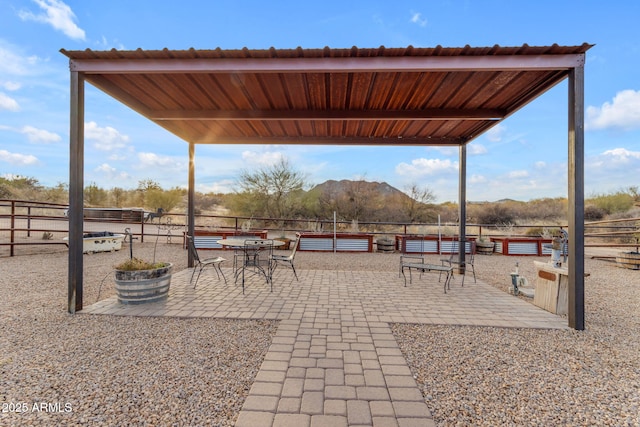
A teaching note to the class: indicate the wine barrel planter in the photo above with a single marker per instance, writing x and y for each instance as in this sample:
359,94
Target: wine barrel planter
142,286
630,260
484,248
385,245
286,241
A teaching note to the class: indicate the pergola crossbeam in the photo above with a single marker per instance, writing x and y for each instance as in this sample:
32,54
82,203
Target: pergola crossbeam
292,115
333,141
329,65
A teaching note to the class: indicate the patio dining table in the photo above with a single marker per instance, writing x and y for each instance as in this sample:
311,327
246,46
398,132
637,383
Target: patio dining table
252,255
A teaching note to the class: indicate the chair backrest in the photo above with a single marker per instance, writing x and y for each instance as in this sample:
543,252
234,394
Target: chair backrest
472,251
295,246
192,248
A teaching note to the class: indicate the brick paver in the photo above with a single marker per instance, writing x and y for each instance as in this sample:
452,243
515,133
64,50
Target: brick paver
334,361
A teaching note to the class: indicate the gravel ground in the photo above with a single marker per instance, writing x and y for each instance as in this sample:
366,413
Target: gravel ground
104,370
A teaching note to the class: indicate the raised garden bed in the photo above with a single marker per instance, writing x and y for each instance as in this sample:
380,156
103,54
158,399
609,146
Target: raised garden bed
429,244
344,242
533,246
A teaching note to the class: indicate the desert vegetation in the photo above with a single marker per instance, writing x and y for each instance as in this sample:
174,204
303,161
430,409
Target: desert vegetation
280,191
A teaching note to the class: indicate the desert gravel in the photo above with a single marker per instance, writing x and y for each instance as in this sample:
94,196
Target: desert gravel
112,370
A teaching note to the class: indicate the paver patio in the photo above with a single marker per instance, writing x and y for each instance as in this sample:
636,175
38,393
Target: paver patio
334,360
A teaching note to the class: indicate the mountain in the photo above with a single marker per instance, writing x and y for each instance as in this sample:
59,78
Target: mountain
364,187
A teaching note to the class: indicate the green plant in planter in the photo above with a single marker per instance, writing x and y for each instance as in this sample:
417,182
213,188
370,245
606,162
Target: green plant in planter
134,264
139,281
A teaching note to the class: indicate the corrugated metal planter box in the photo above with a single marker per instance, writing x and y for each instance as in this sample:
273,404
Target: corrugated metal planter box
429,244
527,246
344,242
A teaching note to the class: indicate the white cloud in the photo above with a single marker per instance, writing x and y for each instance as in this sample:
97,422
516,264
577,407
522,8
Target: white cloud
422,166
222,186
268,158
11,86
40,135
8,103
153,160
13,63
416,18
106,138
541,164
111,172
621,155
518,174
58,15
477,179
445,150
105,167
18,159
104,44
496,133
476,149
622,113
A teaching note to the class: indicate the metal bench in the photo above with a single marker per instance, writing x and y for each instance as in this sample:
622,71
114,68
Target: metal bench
410,262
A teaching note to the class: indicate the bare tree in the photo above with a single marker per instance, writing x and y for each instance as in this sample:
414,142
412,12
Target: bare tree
416,206
269,191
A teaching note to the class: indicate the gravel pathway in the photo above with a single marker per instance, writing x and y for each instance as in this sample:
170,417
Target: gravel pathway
108,370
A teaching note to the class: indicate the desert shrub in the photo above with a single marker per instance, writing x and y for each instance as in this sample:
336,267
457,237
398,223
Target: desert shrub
593,213
495,213
620,201
534,231
631,213
545,209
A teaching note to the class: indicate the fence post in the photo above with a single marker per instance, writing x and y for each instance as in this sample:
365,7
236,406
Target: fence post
28,221
13,226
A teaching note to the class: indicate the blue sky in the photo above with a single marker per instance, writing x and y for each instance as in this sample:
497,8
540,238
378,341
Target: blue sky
524,158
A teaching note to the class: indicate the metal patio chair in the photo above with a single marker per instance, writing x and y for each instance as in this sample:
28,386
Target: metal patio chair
469,258
201,264
287,260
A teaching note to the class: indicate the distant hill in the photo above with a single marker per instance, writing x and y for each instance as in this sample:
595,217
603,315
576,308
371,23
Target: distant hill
341,187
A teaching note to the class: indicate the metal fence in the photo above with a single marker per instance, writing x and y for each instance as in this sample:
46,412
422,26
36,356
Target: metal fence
29,224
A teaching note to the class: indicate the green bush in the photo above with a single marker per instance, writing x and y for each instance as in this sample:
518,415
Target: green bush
612,203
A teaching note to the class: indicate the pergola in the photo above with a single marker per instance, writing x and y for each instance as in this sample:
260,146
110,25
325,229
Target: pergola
382,96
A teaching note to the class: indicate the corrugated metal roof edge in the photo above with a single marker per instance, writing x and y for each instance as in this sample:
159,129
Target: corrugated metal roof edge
326,52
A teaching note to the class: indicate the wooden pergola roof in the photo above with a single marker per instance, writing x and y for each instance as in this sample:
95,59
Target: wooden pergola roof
379,96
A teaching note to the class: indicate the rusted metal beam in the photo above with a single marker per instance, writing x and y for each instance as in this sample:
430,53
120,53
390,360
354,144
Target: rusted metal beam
76,197
191,199
462,207
576,198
